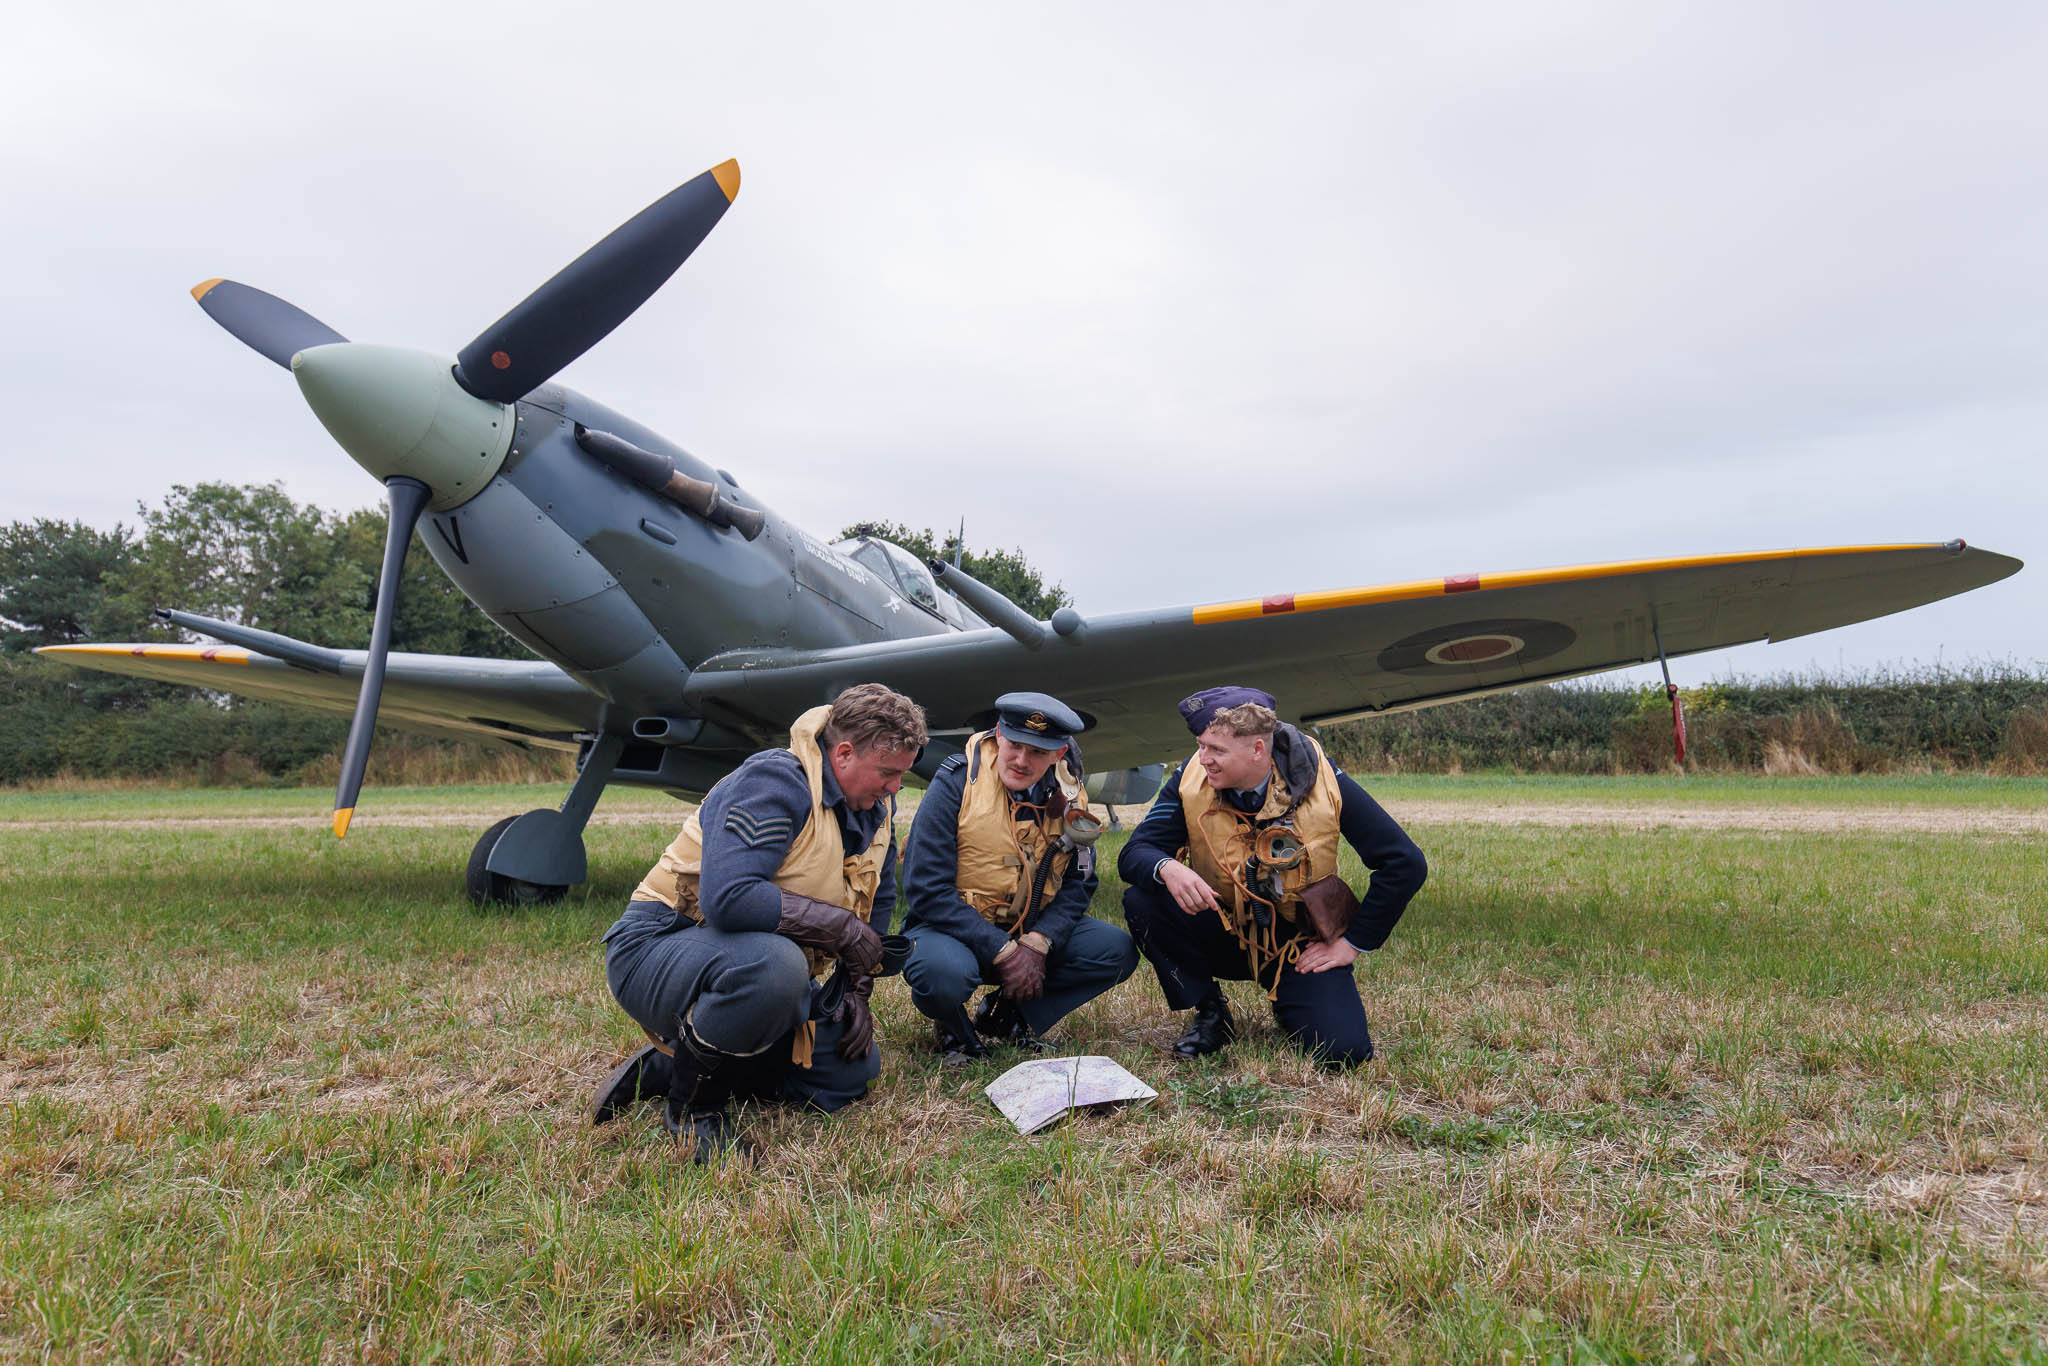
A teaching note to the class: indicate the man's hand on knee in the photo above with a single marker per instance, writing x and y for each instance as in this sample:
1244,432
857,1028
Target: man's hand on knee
1321,957
1022,970
830,929
1186,888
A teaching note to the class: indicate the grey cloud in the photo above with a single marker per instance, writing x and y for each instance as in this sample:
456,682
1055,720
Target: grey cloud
1489,284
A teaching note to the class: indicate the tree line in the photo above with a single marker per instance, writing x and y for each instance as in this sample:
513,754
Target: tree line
1984,718
252,555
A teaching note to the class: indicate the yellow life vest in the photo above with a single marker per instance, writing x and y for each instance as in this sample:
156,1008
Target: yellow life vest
998,852
817,864
1220,844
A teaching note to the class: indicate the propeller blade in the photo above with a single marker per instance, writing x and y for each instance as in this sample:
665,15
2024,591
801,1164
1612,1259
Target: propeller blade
596,292
263,322
408,500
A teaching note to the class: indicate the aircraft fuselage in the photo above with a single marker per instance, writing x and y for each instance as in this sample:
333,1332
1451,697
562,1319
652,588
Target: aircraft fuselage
627,591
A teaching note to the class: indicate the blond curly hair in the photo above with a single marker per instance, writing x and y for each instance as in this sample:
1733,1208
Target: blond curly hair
1246,718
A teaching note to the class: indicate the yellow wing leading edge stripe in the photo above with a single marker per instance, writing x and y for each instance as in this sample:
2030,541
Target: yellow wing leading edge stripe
1323,600
208,654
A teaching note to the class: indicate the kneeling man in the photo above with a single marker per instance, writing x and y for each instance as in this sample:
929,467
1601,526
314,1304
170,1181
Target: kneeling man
789,864
1257,814
998,890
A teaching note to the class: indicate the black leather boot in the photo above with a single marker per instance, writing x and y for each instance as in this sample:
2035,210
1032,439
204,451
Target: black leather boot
1003,1022
1211,1029
994,1015
704,1131
642,1076
957,1044
699,1099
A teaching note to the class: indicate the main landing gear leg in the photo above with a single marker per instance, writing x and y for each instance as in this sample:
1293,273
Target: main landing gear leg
532,860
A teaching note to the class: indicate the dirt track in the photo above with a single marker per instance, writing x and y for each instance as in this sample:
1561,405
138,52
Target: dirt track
1938,820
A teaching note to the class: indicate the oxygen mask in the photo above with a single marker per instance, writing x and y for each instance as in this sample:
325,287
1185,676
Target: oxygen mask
1278,848
1083,827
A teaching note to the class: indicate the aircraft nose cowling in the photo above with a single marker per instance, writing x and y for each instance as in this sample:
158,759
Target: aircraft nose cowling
400,414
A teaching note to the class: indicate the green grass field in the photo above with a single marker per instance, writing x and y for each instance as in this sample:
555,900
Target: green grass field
1715,1094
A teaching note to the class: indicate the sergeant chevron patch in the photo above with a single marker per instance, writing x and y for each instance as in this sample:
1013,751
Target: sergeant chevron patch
759,832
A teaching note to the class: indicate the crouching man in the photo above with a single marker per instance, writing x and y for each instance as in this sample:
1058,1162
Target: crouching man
998,885
788,865
1258,814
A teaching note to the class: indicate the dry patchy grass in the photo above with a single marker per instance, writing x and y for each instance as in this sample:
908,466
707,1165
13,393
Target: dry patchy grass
1696,1093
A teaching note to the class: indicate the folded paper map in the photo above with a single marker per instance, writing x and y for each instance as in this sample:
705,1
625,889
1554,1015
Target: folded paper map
1033,1094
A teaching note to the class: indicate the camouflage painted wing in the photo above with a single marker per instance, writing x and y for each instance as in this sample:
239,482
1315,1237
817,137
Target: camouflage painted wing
1348,652
516,701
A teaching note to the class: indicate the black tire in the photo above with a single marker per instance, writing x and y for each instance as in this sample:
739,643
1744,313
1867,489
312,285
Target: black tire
487,888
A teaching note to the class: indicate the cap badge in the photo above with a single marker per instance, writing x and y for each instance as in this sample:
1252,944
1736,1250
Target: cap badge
1036,721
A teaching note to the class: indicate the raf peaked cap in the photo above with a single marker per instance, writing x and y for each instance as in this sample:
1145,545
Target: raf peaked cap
1036,719
1198,711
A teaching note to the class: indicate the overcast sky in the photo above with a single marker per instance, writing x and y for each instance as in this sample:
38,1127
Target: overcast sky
1452,287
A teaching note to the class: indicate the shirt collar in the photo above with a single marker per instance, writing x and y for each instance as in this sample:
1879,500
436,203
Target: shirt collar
1251,798
1037,794
833,795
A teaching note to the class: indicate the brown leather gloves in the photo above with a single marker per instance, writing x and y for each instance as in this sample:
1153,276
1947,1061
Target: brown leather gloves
1021,969
857,1019
830,929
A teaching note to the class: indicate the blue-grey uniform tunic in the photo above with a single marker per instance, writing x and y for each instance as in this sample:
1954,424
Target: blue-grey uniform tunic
744,988
1320,1011
957,947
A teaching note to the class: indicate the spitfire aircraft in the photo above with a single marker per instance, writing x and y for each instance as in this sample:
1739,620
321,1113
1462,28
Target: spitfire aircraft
682,625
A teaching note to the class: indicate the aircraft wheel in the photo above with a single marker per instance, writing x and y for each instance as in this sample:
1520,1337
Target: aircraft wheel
487,888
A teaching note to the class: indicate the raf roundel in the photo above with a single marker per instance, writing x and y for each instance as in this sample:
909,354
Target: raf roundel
1457,649
1480,649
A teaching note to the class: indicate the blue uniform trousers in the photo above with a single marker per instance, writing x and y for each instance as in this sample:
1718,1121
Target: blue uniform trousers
743,994
1319,1011
943,972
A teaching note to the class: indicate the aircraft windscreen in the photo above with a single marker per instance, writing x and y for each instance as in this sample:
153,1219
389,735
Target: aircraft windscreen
915,579
905,573
869,556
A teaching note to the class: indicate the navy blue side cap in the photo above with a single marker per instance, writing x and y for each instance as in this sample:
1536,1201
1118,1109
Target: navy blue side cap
1198,711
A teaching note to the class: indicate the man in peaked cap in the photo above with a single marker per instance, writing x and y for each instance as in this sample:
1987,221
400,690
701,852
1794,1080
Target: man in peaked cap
998,877
1258,814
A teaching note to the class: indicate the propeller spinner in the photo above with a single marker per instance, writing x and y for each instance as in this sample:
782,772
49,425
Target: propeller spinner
436,434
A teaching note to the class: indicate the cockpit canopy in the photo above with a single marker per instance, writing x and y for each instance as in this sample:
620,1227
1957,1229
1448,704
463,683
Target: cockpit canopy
904,572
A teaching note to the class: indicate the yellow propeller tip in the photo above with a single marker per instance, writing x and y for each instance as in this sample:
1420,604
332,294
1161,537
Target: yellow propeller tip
341,819
199,290
727,174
